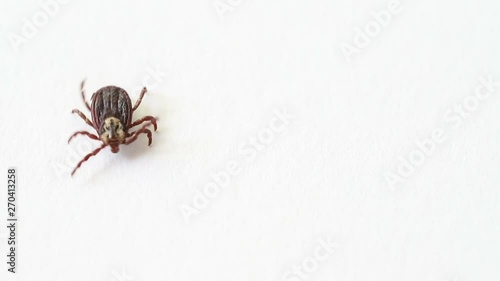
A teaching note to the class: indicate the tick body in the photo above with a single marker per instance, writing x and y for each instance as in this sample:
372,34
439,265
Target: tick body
111,112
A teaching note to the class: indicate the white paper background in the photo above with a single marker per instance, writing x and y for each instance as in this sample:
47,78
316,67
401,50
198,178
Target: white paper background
322,177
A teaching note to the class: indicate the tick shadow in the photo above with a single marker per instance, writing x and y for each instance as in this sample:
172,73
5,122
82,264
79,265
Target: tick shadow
160,110
128,154
140,148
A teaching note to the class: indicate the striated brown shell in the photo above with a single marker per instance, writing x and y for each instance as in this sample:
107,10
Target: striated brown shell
111,101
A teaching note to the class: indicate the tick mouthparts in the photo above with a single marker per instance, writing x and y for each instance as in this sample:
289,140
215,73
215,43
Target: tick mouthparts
115,148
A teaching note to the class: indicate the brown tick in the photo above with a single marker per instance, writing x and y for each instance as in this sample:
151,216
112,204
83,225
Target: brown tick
111,111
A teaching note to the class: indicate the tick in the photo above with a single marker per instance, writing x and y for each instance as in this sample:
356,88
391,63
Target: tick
111,111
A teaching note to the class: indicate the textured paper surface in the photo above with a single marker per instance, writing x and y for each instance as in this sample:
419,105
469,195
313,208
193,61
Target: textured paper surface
219,85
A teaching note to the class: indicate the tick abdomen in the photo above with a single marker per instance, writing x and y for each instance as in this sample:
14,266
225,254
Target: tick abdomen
111,101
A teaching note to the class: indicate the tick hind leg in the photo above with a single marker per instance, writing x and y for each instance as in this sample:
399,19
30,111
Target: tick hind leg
138,102
93,153
82,116
151,119
92,136
82,89
143,130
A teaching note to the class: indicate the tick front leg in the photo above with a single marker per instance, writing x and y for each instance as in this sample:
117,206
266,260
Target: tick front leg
144,119
93,153
136,134
138,102
82,89
83,117
92,136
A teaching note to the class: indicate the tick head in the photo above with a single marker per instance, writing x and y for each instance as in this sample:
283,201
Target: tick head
112,133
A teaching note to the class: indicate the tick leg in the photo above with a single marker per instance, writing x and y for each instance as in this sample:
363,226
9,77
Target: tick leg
138,102
82,89
92,136
93,153
143,119
136,134
82,116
